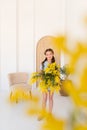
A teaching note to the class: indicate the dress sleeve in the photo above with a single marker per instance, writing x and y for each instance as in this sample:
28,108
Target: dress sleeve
41,67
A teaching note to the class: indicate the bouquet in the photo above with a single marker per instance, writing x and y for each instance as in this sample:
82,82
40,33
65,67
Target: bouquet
65,71
49,79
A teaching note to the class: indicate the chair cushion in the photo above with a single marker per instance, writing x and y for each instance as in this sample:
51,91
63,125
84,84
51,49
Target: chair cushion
20,86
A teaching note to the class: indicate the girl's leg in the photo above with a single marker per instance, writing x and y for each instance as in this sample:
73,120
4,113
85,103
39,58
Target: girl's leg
50,102
44,100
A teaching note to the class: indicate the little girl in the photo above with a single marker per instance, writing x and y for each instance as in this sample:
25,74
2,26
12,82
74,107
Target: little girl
49,58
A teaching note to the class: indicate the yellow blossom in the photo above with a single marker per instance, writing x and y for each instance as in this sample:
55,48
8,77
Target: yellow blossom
53,123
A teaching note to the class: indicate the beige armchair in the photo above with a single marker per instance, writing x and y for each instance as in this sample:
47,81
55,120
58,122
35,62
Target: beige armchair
18,82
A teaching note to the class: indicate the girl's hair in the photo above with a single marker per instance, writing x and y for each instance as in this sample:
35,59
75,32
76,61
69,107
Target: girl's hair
52,60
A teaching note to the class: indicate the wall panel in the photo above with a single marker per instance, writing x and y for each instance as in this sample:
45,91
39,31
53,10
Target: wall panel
8,40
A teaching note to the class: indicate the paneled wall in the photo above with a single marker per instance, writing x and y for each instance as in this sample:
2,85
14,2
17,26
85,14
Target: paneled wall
76,11
49,17
24,22
8,61
16,38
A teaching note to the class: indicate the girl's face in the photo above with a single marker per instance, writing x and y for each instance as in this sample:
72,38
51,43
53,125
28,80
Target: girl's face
49,55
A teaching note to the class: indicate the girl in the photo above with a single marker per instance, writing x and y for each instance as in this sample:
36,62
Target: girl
49,58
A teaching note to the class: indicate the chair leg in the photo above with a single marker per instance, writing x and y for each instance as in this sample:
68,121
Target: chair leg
10,95
30,94
16,100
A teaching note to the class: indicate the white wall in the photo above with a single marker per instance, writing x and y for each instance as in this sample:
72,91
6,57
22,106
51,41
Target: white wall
24,22
76,11
7,40
49,18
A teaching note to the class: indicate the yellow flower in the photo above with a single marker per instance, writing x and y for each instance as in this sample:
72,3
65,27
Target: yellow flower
57,80
54,88
83,81
80,127
47,70
19,94
53,123
33,78
48,83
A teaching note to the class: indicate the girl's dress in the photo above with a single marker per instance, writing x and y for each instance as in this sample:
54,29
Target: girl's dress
45,65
